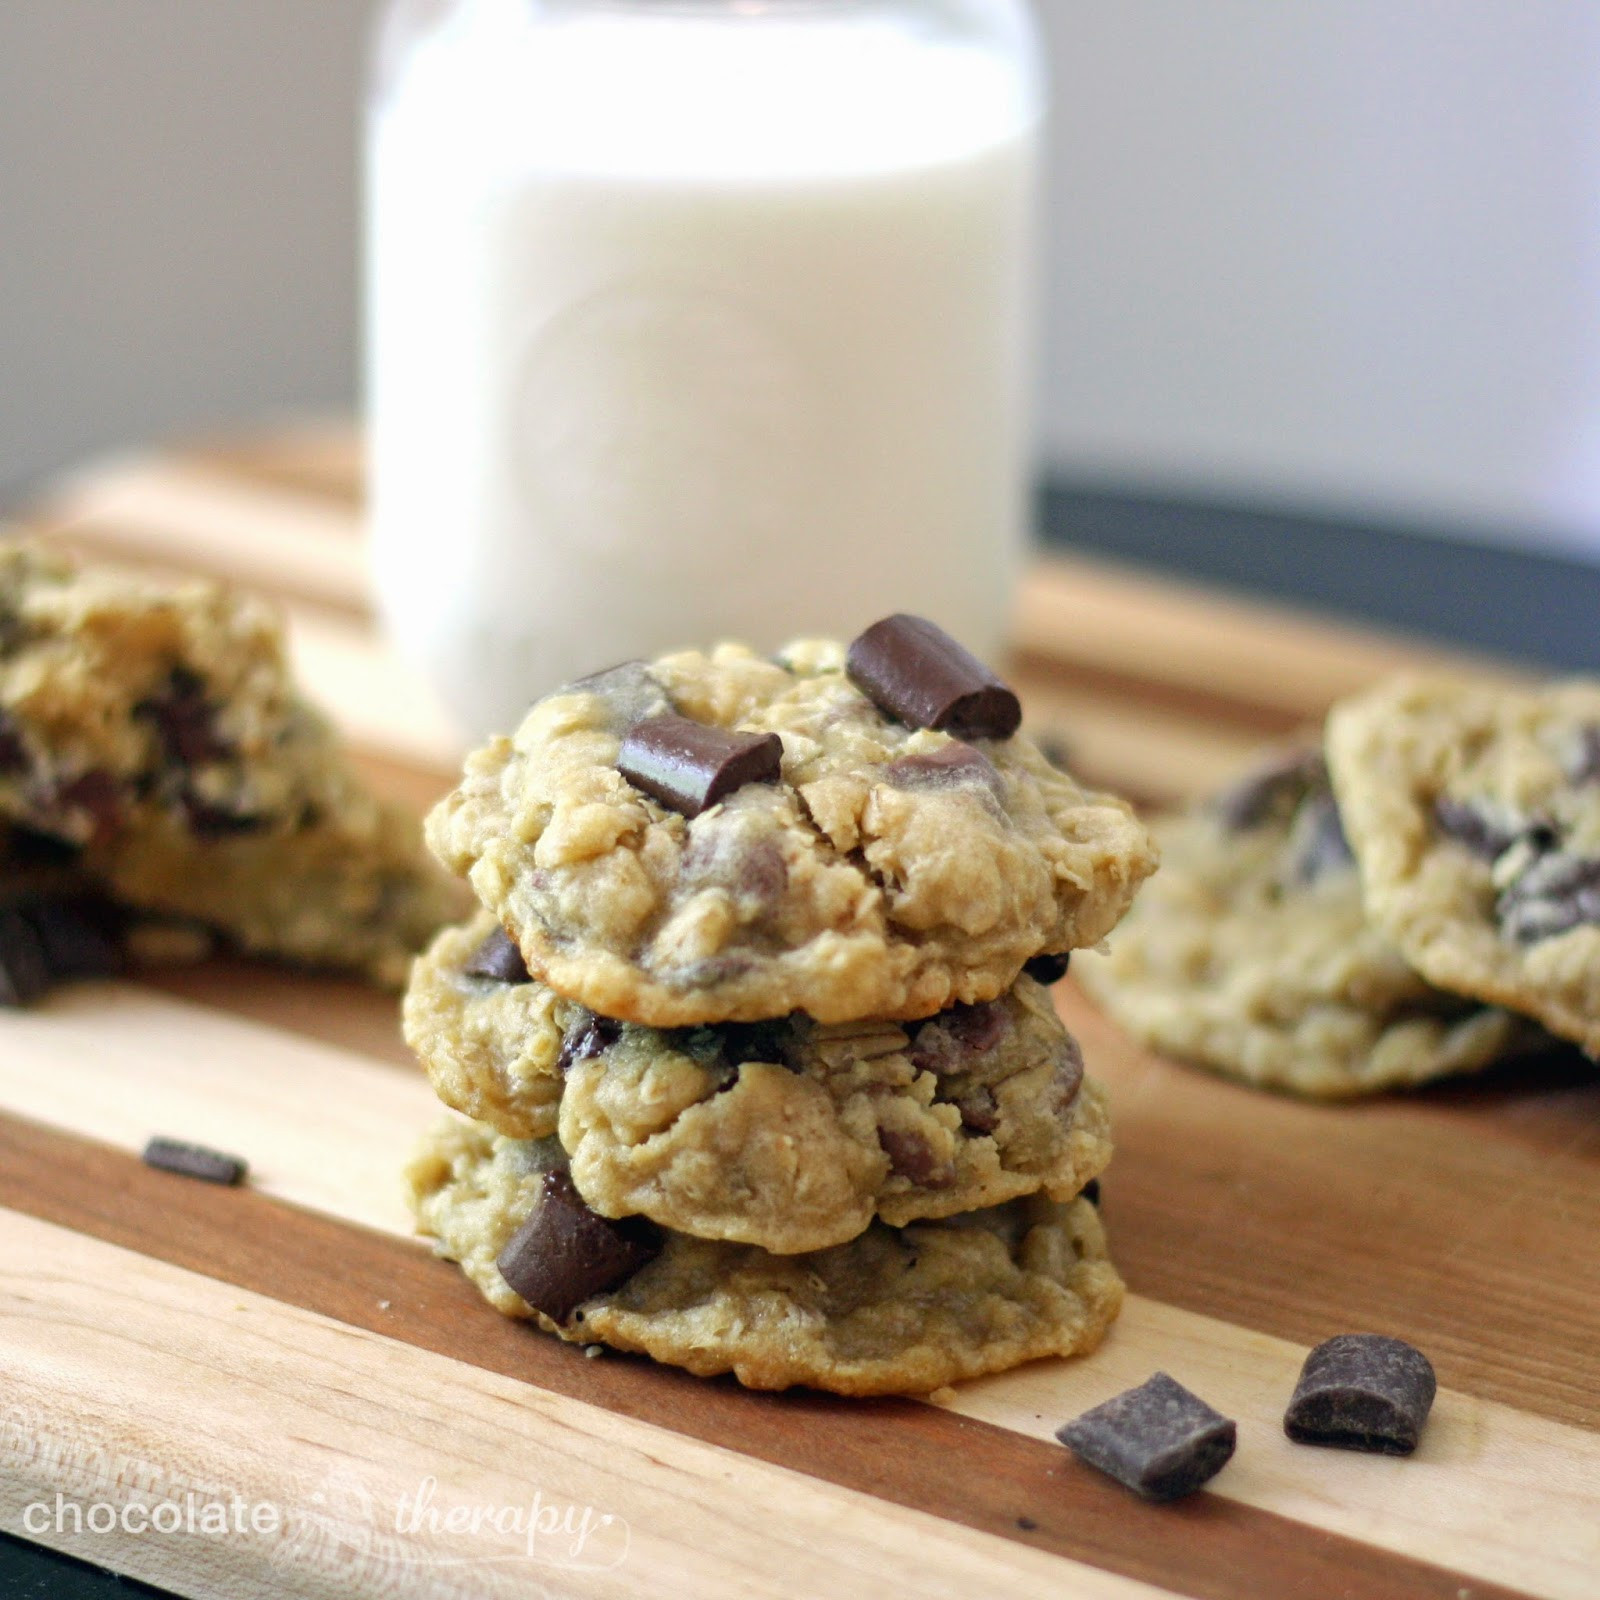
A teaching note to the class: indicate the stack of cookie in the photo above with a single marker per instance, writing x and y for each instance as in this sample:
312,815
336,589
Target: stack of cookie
1420,898
753,1026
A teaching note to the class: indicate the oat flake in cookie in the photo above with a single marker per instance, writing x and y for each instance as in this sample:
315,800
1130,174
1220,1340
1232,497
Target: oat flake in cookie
1474,811
1250,952
154,755
894,1311
891,871
789,1134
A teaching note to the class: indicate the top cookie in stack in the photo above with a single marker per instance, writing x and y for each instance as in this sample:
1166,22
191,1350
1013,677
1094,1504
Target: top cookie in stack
750,1000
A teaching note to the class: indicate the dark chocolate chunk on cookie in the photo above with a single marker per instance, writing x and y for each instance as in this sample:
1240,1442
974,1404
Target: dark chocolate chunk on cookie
1362,1391
912,669
565,1253
498,959
1048,969
688,766
1271,790
1555,892
1159,1440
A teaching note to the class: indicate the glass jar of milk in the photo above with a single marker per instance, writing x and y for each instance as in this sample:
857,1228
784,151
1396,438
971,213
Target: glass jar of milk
692,319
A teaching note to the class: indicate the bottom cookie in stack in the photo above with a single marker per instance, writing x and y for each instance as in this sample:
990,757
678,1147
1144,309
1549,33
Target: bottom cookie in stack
893,1311
872,1207
1251,953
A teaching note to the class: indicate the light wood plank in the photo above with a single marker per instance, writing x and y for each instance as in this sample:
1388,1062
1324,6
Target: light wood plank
1177,634
334,1427
204,519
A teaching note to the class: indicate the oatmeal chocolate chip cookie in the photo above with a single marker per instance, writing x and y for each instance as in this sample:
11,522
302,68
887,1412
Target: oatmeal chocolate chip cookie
1250,953
789,1134
894,1311
890,871
152,743
1474,811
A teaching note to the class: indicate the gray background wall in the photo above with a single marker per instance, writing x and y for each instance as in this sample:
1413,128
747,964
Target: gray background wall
1335,254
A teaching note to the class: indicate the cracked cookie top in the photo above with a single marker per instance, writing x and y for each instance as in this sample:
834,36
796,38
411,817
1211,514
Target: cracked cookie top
881,870
1474,811
1251,953
789,1134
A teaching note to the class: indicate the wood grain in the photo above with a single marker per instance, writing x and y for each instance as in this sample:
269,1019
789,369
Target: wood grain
899,1451
338,1428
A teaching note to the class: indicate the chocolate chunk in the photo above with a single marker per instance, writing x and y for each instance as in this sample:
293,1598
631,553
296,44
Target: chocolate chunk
185,721
955,765
498,959
739,1042
1159,1440
208,821
913,670
81,937
93,797
29,850
1318,845
592,1037
1362,1391
948,1042
195,1161
1552,895
13,752
1472,825
980,1111
1067,1079
689,766
1271,789
912,1156
1091,1192
24,969
1048,969
733,853
565,1253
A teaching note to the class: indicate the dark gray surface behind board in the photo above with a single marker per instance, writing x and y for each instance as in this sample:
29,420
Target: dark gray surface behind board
1535,606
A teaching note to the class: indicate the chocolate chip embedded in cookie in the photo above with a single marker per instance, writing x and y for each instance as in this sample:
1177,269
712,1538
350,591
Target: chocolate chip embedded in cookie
894,1311
564,1253
789,1134
1251,953
888,871
1472,812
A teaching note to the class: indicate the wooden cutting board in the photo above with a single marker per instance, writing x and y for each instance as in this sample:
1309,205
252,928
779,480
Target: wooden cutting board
290,1345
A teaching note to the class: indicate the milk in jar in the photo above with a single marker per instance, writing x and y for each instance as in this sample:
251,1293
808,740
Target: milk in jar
693,319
